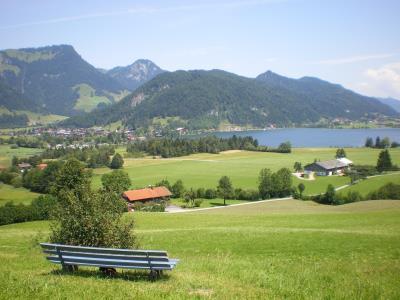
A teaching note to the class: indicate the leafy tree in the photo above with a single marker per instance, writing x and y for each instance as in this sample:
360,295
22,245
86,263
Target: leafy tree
117,161
117,182
265,183
190,197
330,194
164,183
384,162
282,183
385,142
340,153
71,176
301,188
87,218
297,166
225,189
178,189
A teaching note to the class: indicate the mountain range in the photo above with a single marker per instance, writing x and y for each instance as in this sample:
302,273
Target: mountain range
56,79
393,103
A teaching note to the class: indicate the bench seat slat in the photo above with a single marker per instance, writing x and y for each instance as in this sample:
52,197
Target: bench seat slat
112,264
116,261
103,250
106,256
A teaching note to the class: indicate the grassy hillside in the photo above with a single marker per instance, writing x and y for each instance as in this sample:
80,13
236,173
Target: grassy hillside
204,170
17,195
88,100
283,250
372,184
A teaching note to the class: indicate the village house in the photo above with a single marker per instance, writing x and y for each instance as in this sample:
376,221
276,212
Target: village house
24,167
154,194
42,166
328,167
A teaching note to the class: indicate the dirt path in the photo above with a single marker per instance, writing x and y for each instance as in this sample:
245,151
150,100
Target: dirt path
219,207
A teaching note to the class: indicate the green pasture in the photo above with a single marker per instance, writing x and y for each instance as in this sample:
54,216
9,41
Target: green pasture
276,250
372,184
9,193
6,154
243,167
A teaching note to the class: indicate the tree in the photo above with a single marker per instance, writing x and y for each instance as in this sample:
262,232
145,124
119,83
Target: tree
265,183
117,182
117,161
225,189
71,176
385,142
340,153
297,166
282,182
301,188
87,218
369,142
330,194
190,197
378,142
384,162
178,189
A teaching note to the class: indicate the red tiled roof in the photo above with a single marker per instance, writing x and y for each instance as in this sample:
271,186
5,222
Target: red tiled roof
148,193
42,166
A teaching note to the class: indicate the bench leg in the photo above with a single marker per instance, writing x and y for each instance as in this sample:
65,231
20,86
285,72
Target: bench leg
153,275
69,268
108,271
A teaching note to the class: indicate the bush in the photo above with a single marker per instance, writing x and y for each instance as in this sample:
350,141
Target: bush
16,182
198,202
40,209
151,206
43,207
210,194
388,191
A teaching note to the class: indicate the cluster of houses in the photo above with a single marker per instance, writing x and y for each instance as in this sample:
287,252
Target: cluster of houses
23,167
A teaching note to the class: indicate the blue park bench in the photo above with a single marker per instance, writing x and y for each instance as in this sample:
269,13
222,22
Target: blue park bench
108,259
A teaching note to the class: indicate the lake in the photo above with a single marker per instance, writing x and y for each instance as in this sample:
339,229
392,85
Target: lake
316,137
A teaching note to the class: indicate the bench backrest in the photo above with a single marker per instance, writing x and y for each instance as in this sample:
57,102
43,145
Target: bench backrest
109,257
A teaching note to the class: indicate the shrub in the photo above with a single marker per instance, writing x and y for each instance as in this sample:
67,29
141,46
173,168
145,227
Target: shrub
198,202
210,194
16,182
151,206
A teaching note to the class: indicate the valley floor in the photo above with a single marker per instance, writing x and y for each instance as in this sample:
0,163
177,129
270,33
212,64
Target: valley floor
281,249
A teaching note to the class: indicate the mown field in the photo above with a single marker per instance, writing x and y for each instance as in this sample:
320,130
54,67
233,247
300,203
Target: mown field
17,195
277,250
372,184
243,167
7,153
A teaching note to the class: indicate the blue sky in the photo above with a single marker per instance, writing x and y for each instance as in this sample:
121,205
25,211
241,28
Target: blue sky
353,43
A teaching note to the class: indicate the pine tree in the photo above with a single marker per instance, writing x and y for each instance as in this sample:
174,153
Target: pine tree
384,162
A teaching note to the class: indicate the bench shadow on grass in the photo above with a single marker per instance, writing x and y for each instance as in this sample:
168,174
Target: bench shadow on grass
133,276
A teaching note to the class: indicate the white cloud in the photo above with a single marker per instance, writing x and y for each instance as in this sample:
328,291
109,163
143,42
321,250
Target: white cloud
353,59
382,82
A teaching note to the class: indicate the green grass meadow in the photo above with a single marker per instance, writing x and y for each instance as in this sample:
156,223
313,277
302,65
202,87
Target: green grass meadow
7,153
9,193
243,167
275,250
372,184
